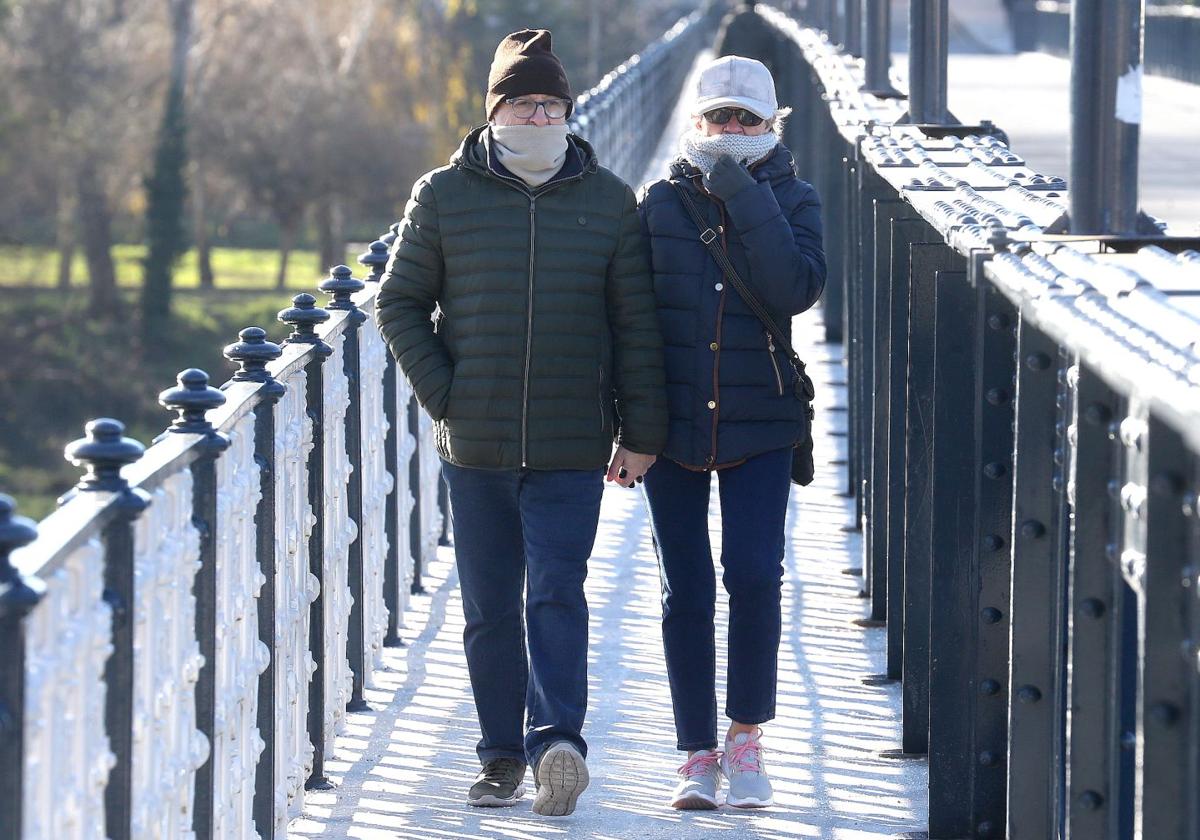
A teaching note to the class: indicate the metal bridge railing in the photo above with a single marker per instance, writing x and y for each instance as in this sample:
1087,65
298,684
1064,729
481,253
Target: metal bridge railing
641,94
1024,418
183,639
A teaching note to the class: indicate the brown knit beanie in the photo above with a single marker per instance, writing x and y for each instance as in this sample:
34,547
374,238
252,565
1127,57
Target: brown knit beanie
525,64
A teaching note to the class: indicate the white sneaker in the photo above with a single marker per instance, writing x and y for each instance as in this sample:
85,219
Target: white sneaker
561,775
699,781
742,763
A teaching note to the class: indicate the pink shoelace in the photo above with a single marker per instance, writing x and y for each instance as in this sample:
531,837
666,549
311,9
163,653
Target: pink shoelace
700,764
746,757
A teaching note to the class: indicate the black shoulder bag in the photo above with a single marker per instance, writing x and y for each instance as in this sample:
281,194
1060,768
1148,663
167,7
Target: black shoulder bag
802,450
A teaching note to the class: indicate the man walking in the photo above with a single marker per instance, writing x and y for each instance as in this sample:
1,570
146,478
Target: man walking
545,348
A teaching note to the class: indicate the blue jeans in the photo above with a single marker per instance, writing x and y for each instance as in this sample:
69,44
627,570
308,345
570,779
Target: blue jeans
754,498
531,531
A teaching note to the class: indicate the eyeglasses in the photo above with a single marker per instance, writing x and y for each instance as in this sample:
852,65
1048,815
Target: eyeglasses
720,116
524,109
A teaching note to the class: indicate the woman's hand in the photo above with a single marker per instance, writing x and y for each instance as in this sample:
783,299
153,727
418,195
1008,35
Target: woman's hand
728,178
627,468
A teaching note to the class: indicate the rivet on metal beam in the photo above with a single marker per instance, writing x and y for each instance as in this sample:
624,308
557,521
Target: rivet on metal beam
997,396
993,542
1037,361
987,758
991,615
1165,714
994,470
989,688
998,321
1097,413
1092,608
1029,694
1032,529
1089,800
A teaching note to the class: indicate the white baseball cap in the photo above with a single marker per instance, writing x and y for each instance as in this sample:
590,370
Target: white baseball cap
733,81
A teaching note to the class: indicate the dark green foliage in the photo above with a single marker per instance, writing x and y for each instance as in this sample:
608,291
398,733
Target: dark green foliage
75,366
166,196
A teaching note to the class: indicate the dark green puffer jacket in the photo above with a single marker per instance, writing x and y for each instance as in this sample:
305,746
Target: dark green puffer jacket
546,345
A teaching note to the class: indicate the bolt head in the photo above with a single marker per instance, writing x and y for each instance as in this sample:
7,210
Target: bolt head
989,688
1032,529
1029,694
1037,361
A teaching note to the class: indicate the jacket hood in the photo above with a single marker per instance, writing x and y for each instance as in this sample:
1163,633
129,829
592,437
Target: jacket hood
472,153
778,166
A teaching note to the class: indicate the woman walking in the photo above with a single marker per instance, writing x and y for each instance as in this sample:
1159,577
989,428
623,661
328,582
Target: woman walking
732,391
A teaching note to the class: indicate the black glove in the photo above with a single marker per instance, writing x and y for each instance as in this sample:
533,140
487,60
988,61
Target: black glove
728,178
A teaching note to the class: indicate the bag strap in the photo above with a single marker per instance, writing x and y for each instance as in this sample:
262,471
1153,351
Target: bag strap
709,237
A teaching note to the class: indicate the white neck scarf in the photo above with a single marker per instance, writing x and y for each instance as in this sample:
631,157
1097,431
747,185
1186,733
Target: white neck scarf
702,150
534,153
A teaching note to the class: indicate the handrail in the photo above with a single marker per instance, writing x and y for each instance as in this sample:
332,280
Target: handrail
1024,423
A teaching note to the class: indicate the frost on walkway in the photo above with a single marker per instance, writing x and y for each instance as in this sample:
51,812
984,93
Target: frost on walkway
404,769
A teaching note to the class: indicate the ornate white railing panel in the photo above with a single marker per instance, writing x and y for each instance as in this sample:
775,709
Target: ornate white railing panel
67,756
296,588
241,655
431,467
167,747
340,531
377,484
405,498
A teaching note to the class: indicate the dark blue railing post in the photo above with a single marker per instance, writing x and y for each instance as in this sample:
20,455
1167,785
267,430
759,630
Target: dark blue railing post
375,259
19,594
340,286
304,317
1093,756
103,452
252,354
192,398
990,555
1036,615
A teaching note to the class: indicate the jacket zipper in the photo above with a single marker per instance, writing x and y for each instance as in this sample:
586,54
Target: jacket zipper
528,334
774,362
533,196
603,414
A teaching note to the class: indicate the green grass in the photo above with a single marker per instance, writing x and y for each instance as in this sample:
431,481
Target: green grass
233,268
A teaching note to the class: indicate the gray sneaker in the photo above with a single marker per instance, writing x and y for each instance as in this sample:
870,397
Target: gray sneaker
561,775
500,783
742,763
699,781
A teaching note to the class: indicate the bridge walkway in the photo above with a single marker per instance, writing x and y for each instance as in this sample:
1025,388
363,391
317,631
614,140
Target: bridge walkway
402,770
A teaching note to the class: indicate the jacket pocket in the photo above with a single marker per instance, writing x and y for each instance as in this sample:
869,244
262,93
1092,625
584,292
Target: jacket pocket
774,364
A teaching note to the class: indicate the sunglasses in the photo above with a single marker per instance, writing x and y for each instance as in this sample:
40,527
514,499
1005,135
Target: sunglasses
720,116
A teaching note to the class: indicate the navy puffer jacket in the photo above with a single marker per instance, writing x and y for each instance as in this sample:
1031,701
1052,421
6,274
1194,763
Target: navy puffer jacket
729,388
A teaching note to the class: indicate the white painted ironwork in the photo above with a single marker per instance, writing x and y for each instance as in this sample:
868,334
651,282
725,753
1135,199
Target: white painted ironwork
241,655
405,498
339,532
167,747
296,588
431,466
67,755
377,484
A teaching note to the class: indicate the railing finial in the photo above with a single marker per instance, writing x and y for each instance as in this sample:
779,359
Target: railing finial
18,593
375,258
254,353
193,397
303,317
340,286
102,453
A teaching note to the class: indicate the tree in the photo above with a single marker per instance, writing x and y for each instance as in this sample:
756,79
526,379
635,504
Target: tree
166,186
